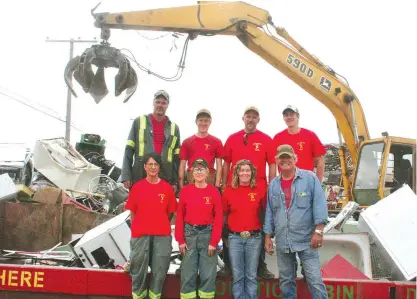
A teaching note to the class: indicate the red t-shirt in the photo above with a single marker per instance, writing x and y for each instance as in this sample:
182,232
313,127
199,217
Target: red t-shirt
199,206
286,189
306,145
243,206
209,148
151,204
258,150
158,133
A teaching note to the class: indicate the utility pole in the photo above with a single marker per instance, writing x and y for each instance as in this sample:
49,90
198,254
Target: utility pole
71,42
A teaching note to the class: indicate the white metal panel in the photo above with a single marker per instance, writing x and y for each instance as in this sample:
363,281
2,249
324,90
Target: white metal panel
393,222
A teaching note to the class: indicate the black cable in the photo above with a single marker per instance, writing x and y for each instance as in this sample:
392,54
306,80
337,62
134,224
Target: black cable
180,68
30,106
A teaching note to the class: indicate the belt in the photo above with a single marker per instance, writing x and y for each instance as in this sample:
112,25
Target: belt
199,227
245,234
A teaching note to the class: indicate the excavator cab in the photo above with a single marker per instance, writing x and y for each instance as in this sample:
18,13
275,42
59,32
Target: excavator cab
384,166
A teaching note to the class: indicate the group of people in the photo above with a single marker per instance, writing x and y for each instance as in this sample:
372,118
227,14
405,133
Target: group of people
225,193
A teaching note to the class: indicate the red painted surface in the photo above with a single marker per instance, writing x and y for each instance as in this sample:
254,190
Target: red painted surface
338,267
77,281
405,290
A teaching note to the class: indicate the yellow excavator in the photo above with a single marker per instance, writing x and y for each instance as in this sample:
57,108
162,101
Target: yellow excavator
381,165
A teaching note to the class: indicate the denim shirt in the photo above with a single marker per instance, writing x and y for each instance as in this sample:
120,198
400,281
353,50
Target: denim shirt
293,228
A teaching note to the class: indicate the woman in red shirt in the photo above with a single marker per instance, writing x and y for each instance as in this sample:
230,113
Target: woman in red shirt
242,205
198,229
152,204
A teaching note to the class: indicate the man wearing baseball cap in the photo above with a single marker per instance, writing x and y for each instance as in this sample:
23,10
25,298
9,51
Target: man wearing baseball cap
204,145
257,147
153,132
306,144
297,220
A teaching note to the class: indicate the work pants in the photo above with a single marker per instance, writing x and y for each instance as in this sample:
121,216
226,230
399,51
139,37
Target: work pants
156,248
310,262
196,259
244,258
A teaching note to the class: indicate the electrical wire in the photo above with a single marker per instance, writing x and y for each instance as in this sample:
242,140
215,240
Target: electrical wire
54,117
155,38
180,67
181,64
29,100
30,106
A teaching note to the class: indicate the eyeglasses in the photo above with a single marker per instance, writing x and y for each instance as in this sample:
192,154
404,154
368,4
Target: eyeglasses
199,169
153,165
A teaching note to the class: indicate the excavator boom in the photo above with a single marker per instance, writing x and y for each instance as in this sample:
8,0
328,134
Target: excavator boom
248,24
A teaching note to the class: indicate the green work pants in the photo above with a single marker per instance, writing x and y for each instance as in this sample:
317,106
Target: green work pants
157,249
196,260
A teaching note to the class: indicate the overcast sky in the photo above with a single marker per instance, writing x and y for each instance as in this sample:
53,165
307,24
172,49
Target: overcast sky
371,43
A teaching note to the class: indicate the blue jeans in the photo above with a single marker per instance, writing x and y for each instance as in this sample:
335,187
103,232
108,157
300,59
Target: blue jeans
244,259
310,262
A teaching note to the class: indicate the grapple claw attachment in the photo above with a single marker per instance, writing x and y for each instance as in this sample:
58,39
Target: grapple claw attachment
131,85
84,73
69,70
98,88
102,56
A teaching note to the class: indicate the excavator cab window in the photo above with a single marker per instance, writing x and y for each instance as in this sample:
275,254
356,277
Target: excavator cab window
400,164
398,171
365,189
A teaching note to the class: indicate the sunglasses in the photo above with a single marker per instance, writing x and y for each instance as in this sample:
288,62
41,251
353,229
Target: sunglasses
245,138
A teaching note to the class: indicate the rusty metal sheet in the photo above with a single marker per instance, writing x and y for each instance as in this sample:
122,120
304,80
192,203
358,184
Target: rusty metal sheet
48,195
29,226
39,226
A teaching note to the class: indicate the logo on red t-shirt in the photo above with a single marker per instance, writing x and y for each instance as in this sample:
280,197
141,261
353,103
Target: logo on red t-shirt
162,196
207,199
252,196
257,145
301,145
206,145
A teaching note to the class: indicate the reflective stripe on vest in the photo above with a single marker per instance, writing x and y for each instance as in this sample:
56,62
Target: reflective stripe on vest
142,128
174,141
131,143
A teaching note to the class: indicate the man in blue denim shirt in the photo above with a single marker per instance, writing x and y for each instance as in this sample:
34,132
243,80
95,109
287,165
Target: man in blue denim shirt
296,212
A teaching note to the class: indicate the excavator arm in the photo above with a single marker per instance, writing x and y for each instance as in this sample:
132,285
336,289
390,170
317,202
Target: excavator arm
248,23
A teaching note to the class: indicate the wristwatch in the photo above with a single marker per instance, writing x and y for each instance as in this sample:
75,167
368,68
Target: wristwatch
320,232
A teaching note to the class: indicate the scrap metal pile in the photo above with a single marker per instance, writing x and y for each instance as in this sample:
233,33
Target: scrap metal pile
52,194
332,183
83,172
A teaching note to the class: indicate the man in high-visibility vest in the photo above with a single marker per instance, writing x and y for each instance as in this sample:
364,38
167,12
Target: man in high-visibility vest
153,132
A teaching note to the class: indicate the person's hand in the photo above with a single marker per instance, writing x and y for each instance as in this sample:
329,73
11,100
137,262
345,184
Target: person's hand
269,247
183,248
316,240
127,184
211,250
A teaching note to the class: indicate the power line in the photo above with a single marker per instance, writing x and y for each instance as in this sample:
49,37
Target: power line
29,100
54,117
39,110
30,106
